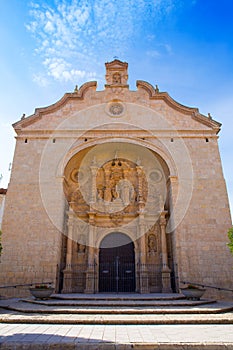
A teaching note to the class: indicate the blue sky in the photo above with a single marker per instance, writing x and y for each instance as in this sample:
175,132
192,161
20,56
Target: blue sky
184,46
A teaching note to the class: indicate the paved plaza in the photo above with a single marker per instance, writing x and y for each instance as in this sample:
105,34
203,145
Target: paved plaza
107,337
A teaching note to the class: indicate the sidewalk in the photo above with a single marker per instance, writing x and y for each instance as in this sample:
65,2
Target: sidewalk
120,337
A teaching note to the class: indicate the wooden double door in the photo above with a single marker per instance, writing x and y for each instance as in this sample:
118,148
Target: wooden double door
117,269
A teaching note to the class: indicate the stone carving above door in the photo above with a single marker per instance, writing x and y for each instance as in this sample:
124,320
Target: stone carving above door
113,192
113,183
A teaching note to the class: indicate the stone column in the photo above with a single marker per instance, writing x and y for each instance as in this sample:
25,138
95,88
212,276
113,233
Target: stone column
143,274
94,169
67,272
166,272
90,273
172,185
141,203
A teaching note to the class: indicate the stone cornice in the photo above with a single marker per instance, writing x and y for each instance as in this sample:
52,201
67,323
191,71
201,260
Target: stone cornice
77,94
155,94
99,133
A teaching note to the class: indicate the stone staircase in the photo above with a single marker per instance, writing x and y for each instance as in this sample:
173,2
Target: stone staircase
116,309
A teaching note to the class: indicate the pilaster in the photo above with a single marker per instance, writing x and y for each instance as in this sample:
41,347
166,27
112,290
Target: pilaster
166,272
67,272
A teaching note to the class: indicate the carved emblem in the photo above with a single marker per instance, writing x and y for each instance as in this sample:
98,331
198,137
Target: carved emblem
116,78
156,176
116,109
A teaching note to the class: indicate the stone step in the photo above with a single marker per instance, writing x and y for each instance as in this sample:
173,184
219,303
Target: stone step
119,296
8,316
119,300
170,312
77,307
214,309
119,304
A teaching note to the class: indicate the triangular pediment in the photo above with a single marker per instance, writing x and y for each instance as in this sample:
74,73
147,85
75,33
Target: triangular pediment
116,64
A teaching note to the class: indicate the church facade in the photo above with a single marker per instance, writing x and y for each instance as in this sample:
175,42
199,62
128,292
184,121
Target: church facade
116,191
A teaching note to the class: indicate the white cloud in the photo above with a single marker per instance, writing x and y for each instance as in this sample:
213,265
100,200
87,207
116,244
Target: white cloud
60,70
150,37
75,33
49,27
40,80
161,50
153,53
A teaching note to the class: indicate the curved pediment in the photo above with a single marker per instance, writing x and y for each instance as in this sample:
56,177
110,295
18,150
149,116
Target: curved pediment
155,94
116,79
77,94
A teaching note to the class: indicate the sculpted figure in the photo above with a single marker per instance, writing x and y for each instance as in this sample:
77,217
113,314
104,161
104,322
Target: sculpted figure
152,245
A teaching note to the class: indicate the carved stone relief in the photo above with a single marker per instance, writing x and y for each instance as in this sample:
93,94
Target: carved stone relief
116,78
116,192
115,109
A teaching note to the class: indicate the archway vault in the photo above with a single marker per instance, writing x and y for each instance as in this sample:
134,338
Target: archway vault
82,146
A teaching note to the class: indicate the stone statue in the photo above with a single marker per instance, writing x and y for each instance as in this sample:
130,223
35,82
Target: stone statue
152,244
124,188
81,247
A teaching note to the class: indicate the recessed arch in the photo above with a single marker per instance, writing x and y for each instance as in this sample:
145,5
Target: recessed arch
164,156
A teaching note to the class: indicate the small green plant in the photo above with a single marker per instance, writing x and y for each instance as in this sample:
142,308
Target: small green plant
230,236
191,286
41,286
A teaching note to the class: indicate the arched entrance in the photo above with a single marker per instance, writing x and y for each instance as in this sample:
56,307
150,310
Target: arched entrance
120,187
117,264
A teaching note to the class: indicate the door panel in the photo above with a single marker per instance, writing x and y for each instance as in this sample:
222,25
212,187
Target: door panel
117,269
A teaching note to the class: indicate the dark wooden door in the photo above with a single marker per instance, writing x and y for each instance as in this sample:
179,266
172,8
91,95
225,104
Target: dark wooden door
117,269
